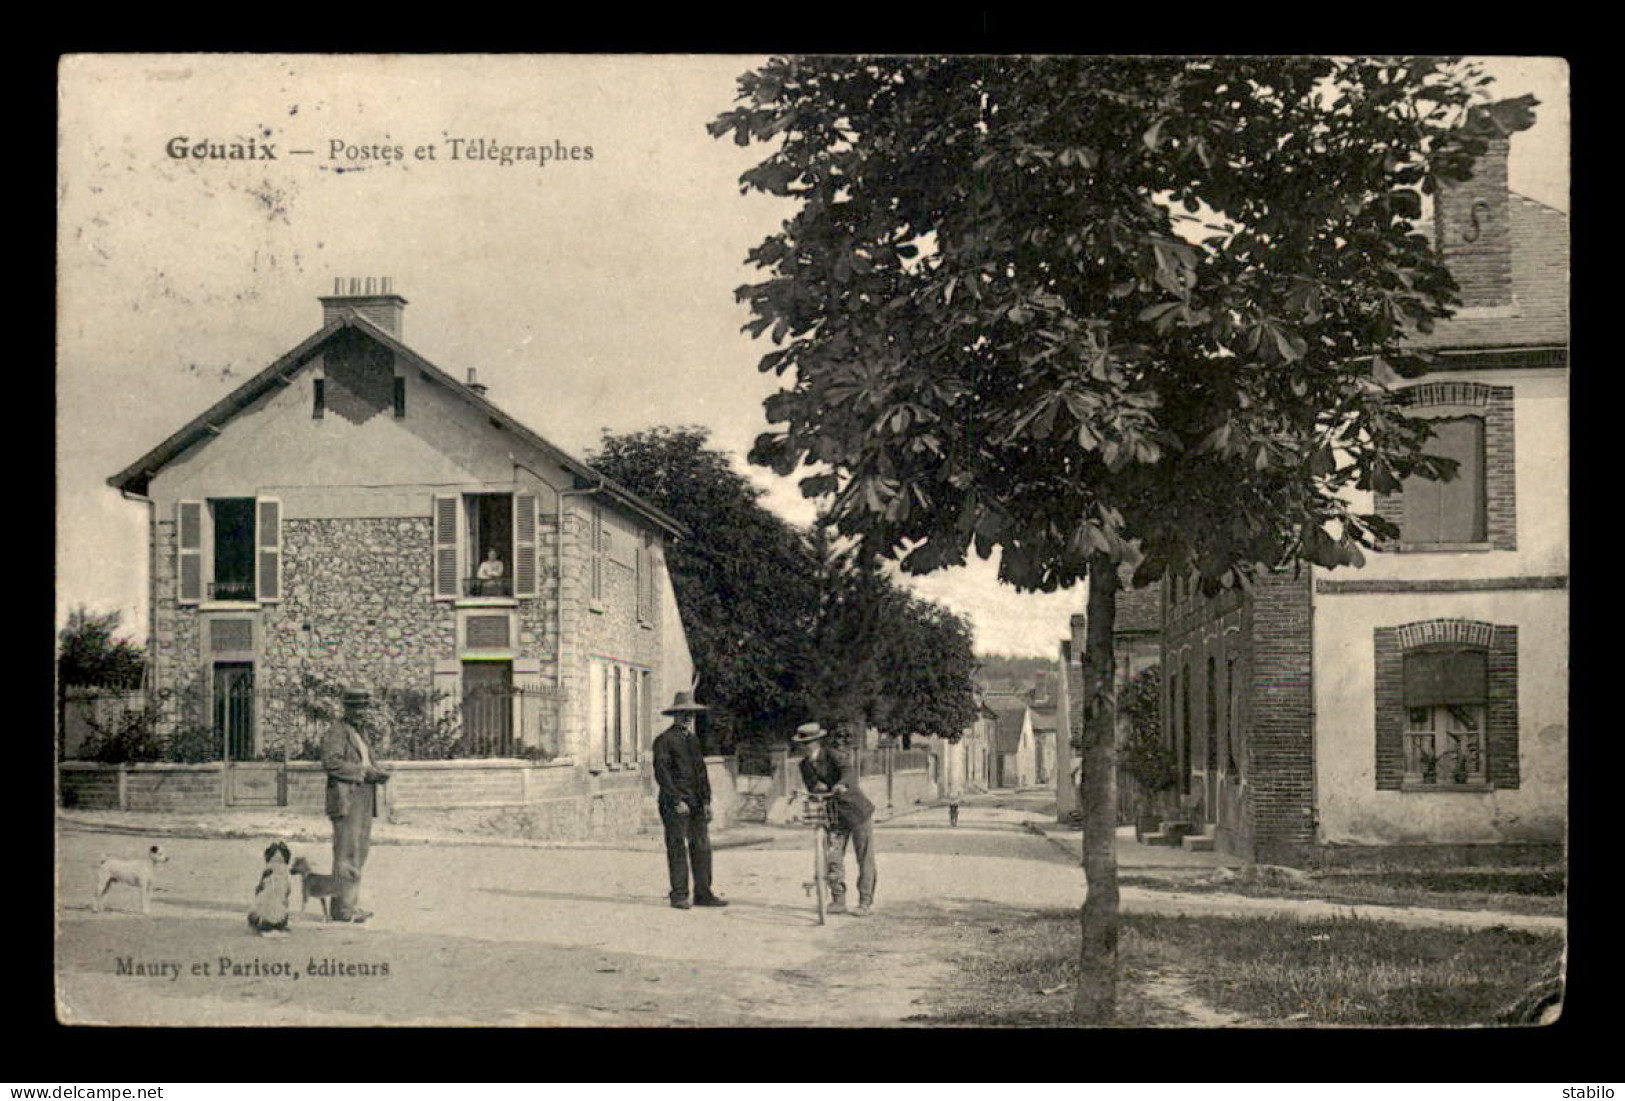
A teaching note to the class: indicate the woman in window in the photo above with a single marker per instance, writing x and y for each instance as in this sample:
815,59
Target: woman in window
490,574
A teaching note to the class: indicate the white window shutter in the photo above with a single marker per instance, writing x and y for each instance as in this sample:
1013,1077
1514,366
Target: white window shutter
269,537
189,544
595,715
597,542
640,559
448,693
632,717
447,572
532,721
524,544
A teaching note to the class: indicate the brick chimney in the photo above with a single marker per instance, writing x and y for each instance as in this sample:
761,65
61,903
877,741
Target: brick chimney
1471,223
370,298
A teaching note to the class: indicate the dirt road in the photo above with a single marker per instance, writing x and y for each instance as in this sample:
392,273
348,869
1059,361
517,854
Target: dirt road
494,936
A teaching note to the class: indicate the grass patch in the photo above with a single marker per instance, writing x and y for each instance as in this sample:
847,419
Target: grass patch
1266,970
1524,891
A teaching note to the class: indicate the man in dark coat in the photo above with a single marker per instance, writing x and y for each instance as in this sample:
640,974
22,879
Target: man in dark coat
352,800
685,804
825,770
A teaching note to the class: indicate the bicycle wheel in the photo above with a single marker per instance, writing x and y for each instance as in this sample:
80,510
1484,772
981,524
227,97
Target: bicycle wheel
820,866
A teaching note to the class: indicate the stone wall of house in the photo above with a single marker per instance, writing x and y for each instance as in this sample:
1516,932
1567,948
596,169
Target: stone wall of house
177,661
357,606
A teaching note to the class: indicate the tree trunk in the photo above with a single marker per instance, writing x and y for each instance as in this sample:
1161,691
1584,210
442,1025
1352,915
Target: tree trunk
1096,1000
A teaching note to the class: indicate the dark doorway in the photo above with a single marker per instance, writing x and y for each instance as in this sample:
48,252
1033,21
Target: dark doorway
234,709
490,538
488,708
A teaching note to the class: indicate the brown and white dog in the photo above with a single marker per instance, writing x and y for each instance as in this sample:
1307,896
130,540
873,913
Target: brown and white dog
314,886
138,873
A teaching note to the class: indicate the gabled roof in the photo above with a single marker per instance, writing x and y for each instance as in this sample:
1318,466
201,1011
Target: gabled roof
1044,719
1540,289
1010,711
135,477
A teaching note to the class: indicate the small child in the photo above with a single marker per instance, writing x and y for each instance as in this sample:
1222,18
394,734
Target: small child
269,916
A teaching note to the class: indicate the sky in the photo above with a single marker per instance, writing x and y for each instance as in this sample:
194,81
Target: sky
592,291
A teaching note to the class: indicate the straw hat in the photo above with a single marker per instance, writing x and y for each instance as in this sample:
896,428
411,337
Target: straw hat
809,732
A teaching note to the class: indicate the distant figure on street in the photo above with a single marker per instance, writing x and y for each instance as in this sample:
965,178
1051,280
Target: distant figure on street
953,808
685,805
490,574
352,800
825,770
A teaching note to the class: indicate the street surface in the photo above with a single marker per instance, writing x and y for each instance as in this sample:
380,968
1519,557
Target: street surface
483,935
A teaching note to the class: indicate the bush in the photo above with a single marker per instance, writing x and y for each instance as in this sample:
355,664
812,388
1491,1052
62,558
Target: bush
135,737
132,737
192,743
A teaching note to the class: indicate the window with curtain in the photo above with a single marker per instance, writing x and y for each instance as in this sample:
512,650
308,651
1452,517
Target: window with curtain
1445,697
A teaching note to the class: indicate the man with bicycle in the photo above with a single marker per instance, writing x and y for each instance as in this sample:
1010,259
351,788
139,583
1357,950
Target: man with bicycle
828,772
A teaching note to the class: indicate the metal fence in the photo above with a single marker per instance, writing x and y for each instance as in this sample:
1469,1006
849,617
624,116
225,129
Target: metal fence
243,722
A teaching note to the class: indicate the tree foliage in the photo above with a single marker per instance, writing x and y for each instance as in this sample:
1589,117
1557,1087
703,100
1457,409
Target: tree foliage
788,625
1102,306
1090,311
90,653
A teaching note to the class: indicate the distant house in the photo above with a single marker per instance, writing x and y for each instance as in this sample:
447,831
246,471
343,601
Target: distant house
1418,704
353,514
1014,759
1042,700
967,765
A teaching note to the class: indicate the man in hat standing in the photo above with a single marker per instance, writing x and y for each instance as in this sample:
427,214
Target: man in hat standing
825,770
352,799
685,804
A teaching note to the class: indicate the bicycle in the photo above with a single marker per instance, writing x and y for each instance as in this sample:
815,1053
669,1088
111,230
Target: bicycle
819,812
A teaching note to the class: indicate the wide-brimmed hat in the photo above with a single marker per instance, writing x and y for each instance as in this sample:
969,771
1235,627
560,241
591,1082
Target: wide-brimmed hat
356,694
809,732
683,704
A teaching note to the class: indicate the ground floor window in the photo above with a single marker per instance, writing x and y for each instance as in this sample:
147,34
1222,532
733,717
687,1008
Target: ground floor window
1447,705
1445,744
618,722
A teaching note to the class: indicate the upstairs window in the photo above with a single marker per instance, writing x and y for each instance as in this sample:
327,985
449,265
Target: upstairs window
228,549
1473,424
484,545
489,543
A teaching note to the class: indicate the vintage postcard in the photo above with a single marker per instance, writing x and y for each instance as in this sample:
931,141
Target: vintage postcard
450,632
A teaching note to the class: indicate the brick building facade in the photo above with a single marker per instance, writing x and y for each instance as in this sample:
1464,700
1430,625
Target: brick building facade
1417,706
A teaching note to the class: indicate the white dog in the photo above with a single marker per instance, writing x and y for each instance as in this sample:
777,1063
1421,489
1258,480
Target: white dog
136,873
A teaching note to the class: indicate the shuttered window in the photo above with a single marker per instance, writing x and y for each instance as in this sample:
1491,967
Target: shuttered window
524,535
595,715
446,567
595,538
189,544
1453,511
269,538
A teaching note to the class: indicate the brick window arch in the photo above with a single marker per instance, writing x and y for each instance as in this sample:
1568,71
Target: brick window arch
1478,507
1446,706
